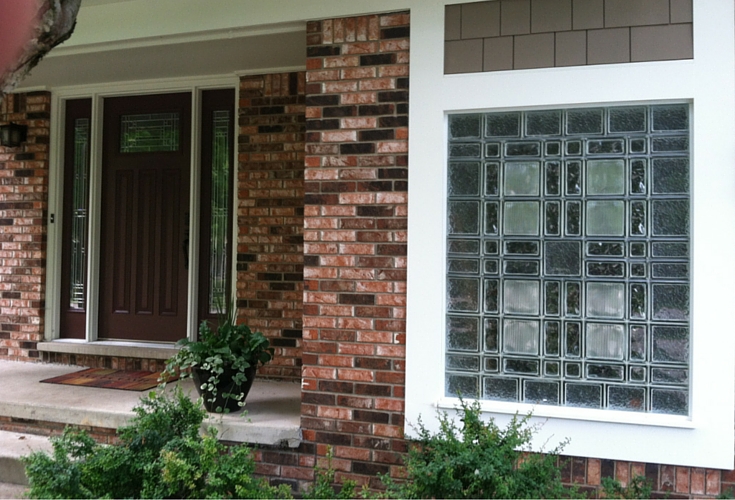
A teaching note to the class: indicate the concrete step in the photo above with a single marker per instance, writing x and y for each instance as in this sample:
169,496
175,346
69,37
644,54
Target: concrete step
14,445
10,490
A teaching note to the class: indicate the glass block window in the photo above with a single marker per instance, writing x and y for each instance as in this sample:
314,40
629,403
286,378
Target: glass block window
149,133
568,257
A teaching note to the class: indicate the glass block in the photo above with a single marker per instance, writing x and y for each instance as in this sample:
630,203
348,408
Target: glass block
605,341
521,366
501,389
584,121
521,267
574,178
148,133
637,270
583,395
670,117
551,218
606,147
522,179
605,177
638,301
465,126
553,178
670,144
521,218
463,363
627,119
637,374
574,218
492,149
465,150
552,369
491,218
670,344
574,301
670,249
598,248
606,269
491,248
469,247
562,258
637,249
492,182
670,302
491,335
541,392
573,370
464,217
605,218
574,148
543,123
521,297
464,179
463,266
605,372
670,401
552,296
467,386
573,340
626,398
551,338
678,271
520,336
553,148
463,333
638,177
638,218
463,295
670,175
492,266
523,148
491,296
669,376
637,343
521,247
605,300
492,365
503,125
637,146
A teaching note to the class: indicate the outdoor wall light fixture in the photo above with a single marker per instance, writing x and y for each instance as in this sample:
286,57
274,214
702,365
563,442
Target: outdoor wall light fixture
12,135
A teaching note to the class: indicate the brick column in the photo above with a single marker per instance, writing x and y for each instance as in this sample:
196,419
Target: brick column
355,241
23,209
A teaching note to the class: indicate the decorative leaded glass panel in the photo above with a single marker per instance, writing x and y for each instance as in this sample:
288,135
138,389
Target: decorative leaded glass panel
220,235
569,259
79,215
149,133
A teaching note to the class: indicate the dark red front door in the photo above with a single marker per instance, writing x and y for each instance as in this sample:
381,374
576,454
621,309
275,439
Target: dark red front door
145,217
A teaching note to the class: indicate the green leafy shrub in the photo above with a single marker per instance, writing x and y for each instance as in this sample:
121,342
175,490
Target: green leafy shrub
639,487
323,486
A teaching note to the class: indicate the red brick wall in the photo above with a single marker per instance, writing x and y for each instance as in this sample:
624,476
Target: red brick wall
23,208
270,214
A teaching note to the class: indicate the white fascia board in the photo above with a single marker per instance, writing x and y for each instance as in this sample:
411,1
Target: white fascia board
706,438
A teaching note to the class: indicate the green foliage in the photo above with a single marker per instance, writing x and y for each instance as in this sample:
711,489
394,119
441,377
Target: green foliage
639,487
323,486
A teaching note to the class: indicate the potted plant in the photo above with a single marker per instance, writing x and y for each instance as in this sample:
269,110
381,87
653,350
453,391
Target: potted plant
222,362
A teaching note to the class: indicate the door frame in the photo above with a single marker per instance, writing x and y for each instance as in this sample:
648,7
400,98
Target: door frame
98,93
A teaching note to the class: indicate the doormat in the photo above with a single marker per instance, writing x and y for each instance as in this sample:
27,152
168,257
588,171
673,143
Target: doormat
106,378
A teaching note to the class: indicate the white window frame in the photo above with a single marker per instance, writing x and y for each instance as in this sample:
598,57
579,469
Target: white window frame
706,437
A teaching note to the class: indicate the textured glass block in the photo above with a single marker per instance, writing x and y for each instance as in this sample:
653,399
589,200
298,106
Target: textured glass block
670,302
543,123
521,248
638,177
605,249
573,340
463,266
491,296
605,341
553,148
521,366
583,395
574,148
492,182
637,146
491,335
626,398
551,369
637,343
552,296
463,363
552,337
521,297
149,133
522,149
464,179
670,249
463,333
520,336
464,217
491,218
573,218
605,218
465,150
670,401
501,389
469,247
521,267
680,271
606,147
605,300
584,121
670,175
605,177
638,218
637,374
670,144
465,126
491,248
605,372
669,376
492,365
637,249
552,218
503,125
553,178
670,344
606,269
628,119
637,270
521,218
463,294
573,370
492,266
466,386
492,150
574,301
670,117
522,179
574,178
638,301
541,392
562,258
